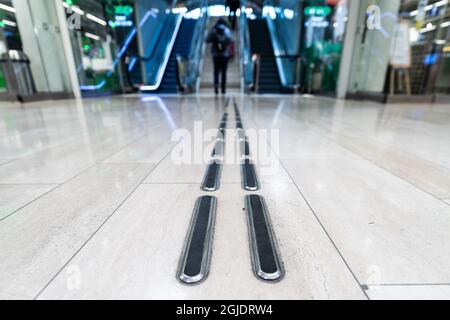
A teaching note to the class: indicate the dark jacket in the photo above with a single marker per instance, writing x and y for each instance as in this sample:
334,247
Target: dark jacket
220,37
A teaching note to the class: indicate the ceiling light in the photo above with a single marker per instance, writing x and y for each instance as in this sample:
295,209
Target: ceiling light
9,23
92,36
7,8
428,28
429,7
179,10
441,3
77,10
95,19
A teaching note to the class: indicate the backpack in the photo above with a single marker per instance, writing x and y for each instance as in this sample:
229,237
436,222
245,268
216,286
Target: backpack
221,43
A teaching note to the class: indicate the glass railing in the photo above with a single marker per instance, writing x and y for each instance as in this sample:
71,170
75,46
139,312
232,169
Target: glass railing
289,65
189,67
284,21
247,63
156,24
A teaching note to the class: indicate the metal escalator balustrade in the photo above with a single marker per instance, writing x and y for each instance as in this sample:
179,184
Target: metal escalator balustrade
189,66
182,46
156,63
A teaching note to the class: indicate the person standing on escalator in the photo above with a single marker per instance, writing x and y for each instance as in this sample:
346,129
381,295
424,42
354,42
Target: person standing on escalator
220,39
234,5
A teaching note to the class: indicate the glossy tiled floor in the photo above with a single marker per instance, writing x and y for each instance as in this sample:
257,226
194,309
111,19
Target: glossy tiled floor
92,204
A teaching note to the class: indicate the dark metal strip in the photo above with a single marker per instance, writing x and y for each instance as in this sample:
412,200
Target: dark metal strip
245,148
211,181
266,261
248,175
196,256
219,149
241,135
222,134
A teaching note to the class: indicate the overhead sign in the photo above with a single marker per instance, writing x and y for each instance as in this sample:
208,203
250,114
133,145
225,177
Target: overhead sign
317,22
122,21
123,10
320,11
121,16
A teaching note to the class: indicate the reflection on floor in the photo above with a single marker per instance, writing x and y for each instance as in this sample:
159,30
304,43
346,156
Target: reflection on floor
95,205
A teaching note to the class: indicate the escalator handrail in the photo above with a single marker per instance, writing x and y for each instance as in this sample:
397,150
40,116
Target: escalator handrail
162,68
155,46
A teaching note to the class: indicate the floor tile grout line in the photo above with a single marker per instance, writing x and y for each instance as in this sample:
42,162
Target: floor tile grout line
326,231
380,166
101,225
407,285
76,176
321,129
27,184
397,176
70,137
364,159
222,183
8,161
319,221
74,135
30,202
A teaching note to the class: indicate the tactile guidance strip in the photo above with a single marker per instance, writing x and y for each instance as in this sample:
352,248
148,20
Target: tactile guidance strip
266,259
244,147
248,176
211,181
196,256
219,149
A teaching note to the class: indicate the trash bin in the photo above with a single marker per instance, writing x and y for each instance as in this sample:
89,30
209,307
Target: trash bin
16,64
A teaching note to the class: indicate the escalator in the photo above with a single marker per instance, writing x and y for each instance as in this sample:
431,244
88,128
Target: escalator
261,44
182,45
